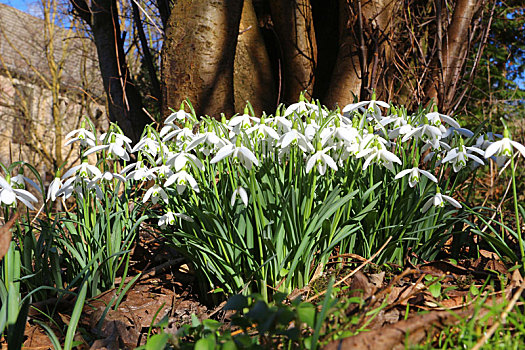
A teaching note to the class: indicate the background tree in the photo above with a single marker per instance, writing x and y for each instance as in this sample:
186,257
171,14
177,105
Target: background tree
49,82
407,51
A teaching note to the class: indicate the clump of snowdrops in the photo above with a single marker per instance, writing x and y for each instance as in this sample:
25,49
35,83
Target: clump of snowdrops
258,201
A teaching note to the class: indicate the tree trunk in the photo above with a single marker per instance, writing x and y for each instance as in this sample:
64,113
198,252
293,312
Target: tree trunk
124,101
253,76
198,55
454,46
293,24
364,41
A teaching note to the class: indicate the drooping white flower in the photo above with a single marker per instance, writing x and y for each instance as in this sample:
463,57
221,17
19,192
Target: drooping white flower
238,151
434,119
155,192
263,131
320,160
458,157
300,107
371,110
294,137
9,195
504,147
84,169
117,146
427,133
241,192
148,145
180,159
438,200
183,136
140,172
242,121
374,150
85,137
169,219
53,189
180,116
414,175
109,176
182,179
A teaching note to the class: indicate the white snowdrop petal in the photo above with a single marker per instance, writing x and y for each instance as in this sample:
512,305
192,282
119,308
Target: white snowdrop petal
519,146
429,175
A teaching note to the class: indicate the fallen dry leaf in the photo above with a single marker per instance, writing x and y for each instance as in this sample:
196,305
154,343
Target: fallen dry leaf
407,332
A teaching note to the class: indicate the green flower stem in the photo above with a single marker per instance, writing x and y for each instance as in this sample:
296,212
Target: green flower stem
518,225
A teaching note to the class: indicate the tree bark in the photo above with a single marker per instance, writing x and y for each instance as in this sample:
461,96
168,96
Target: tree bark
293,24
124,101
454,48
364,41
198,55
253,76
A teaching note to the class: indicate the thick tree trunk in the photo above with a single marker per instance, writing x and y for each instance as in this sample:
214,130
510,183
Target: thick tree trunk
364,42
253,76
124,101
454,48
198,55
293,24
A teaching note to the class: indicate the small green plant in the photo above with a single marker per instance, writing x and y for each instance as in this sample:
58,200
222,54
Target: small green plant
256,324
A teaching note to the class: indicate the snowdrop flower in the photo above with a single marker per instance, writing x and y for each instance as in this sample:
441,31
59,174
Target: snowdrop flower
109,176
184,135
294,137
241,192
320,159
141,172
299,108
9,195
180,159
263,131
413,179
504,147
209,138
438,200
458,157
182,179
242,122
434,118
282,124
425,132
161,172
85,137
237,151
375,151
372,108
155,192
84,169
148,145
181,116
169,219
118,146
53,189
